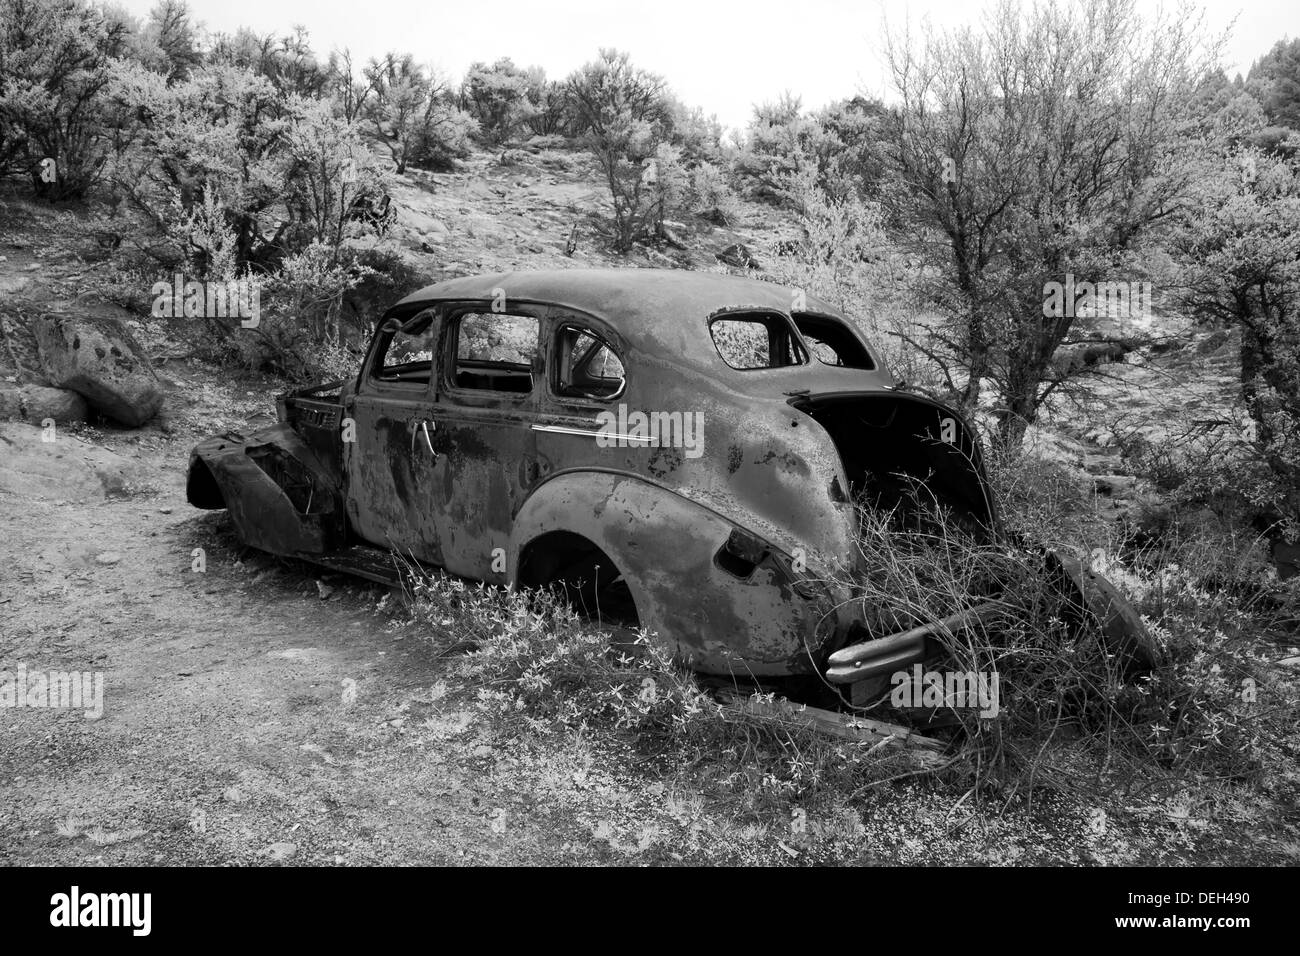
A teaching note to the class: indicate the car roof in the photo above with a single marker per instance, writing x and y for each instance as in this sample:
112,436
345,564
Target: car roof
658,312
631,300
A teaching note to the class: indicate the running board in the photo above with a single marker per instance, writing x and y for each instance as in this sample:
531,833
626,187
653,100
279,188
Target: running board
373,564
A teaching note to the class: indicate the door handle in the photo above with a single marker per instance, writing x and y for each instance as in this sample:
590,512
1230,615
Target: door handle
422,426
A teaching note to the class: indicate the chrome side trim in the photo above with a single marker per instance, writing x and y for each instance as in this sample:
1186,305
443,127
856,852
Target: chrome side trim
610,436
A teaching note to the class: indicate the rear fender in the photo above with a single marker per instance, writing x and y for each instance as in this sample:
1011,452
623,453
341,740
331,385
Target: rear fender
718,596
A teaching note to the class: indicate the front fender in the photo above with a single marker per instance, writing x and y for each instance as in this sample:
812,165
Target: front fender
720,597
281,497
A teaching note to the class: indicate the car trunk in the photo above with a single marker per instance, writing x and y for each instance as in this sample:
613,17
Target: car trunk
915,476
905,454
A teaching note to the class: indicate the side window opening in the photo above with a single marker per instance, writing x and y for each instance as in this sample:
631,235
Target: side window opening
831,342
494,351
756,340
586,365
407,355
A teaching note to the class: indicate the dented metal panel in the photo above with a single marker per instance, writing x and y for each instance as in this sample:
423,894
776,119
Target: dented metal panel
282,498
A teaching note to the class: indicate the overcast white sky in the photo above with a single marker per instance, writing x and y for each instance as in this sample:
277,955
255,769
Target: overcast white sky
723,55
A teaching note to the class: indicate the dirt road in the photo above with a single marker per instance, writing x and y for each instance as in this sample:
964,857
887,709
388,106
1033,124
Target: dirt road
242,712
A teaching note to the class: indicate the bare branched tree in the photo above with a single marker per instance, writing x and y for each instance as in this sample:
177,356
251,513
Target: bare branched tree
1046,143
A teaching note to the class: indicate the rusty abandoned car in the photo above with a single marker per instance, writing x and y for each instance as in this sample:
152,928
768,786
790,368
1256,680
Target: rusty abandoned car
679,451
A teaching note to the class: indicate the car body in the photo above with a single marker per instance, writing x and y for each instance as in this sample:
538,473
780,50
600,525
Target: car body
494,430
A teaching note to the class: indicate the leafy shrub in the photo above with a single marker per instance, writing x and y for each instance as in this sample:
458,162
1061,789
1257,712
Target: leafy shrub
843,238
1239,243
844,146
552,113
388,277
442,138
219,138
1208,708
531,653
56,57
711,196
498,98
699,137
1043,502
530,661
329,170
624,110
780,139
301,332
172,32
413,112
1059,679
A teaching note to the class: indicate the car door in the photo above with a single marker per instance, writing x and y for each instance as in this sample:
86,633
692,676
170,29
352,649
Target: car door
585,380
391,464
491,374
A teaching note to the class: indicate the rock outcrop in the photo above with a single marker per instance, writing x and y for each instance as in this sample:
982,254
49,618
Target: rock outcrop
97,357
36,403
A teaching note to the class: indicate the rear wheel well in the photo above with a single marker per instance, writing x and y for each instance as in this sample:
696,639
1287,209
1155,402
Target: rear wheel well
587,576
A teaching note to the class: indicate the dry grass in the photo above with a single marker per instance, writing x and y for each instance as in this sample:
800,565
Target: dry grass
1069,720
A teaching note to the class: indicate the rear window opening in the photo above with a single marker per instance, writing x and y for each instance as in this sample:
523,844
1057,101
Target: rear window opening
755,340
832,342
586,366
908,458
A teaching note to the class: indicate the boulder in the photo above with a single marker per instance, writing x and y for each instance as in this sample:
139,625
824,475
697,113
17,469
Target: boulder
36,403
738,255
1113,486
98,358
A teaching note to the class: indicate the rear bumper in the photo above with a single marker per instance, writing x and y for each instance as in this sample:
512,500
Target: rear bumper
885,655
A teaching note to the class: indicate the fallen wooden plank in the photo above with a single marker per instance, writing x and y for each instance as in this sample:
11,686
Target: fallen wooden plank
844,726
